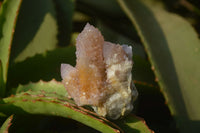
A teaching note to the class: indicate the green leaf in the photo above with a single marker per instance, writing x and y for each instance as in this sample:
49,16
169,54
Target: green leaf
64,11
35,104
103,8
2,83
43,66
173,48
36,29
8,18
5,127
34,98
47,124
142,71
73,38
133,124
80,17
42,87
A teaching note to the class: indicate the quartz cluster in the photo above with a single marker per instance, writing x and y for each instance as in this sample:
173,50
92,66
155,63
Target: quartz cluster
102,76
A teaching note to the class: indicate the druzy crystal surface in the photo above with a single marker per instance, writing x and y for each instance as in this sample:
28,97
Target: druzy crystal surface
102,76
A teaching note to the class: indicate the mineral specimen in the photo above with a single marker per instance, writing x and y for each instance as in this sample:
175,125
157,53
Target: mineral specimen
102,76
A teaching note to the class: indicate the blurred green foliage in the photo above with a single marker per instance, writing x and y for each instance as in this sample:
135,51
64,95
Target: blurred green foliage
37,36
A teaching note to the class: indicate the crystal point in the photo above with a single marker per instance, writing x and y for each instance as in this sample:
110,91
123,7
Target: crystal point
102,76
